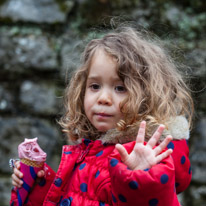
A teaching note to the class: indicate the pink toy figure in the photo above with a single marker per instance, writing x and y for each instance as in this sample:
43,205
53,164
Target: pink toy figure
32,159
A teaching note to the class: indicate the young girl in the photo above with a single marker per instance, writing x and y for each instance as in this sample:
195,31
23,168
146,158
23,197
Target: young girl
123,106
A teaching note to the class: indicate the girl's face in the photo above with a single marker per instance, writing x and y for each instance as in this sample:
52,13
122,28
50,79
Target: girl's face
104,93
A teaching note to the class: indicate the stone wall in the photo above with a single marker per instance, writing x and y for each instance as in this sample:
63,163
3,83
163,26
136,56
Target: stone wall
40,45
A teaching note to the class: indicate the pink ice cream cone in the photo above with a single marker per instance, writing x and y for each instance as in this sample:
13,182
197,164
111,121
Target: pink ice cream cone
32,159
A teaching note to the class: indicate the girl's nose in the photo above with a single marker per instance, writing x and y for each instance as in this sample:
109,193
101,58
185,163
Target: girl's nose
105,98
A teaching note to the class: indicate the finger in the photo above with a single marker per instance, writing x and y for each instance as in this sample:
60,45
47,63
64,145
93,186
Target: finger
40,174
141,132
15,184
17,164
18,173
155,137
164,155
163,145
16,181
122,151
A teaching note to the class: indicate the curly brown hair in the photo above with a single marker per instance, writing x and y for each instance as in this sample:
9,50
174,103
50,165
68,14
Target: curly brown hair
156,89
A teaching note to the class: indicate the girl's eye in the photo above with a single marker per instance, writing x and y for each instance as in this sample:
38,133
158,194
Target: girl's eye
120,88
94,86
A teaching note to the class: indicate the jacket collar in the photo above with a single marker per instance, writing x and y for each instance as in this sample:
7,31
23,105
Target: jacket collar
178,128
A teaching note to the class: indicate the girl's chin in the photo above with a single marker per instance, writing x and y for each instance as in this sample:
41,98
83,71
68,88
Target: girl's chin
103,129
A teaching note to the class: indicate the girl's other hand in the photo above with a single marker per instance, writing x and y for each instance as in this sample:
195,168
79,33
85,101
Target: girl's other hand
145,156
18,175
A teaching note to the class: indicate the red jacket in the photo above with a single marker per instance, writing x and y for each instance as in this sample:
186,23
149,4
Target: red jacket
92,173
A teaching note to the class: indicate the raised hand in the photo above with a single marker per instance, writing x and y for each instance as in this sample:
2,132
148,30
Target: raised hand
144,156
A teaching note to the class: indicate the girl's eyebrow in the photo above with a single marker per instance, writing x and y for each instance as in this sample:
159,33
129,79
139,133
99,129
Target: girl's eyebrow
93,77
115,79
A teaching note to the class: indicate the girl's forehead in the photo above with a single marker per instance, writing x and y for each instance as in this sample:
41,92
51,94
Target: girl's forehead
104,52
102,56
103,64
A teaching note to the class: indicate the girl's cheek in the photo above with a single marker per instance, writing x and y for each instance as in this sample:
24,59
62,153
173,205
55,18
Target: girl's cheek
123,108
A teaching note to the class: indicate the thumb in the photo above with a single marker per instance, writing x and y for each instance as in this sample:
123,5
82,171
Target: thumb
122,151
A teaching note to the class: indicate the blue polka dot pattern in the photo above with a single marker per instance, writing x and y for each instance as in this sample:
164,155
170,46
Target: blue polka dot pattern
101,204
133,185
146,169
81,167
177,184
164,179
122,198
114,162
87,141
153,202
65,202
70,199
97,173
114,198
68,152
170,145
99,154
183,159
83,187
58,182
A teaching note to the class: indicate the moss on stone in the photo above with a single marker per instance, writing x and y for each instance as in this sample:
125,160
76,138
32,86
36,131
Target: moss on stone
65,6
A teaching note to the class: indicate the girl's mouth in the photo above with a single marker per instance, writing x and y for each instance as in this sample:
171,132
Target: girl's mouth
103,115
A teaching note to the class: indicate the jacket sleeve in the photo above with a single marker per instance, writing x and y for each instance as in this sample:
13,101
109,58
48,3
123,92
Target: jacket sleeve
183,173
154,186
37,194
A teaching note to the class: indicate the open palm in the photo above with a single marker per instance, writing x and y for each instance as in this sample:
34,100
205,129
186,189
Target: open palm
144,156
